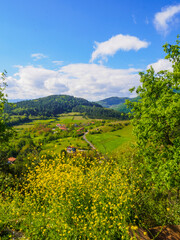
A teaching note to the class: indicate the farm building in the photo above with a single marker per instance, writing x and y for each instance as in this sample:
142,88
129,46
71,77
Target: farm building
63,128
11,160
71,149
80,129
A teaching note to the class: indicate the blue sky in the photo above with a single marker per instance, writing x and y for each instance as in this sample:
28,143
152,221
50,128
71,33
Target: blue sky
85,48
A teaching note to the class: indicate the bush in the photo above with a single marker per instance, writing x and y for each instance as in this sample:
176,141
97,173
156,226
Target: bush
73,198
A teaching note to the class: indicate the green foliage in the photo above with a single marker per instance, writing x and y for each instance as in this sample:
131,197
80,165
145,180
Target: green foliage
72,198
57,104
156,115
48,106
17,120
93,197
5,131
100,113
156,122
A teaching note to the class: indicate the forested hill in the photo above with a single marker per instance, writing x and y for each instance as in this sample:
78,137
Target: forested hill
57,104
48,106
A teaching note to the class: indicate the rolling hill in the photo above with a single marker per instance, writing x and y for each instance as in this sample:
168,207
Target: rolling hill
57,104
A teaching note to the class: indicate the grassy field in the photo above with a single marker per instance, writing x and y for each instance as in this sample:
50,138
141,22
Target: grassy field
109,142
60,144
63,119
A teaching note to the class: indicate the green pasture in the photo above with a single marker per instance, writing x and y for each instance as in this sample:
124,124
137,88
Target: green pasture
58,145
68,118
108,142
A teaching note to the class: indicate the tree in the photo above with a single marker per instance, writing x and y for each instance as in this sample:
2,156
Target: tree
5,131
156,121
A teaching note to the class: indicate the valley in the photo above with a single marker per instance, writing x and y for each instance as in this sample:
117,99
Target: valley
56,134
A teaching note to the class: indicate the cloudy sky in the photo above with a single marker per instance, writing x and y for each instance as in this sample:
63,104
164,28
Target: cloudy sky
86,48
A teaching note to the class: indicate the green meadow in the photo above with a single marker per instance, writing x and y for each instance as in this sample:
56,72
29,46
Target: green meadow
110,142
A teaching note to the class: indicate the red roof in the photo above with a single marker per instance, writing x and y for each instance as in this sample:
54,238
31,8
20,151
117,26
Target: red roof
80,129
11,159
63,128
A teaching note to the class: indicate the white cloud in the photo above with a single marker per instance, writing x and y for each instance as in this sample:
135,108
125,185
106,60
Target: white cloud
90,81
31,82
118,42
59,63
165,17
161,64
38,56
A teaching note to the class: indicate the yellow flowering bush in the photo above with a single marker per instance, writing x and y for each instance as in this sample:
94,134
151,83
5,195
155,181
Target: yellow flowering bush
75,198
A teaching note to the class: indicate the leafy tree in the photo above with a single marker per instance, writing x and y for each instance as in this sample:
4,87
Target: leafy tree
156,120
5,131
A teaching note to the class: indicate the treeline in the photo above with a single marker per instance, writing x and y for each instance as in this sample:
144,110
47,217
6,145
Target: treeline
16,120
52,105
48,106
100,113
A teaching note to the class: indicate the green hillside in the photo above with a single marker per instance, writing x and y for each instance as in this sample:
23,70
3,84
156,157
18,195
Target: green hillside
117,103
112,137
48,106
109,102
122,107
54,105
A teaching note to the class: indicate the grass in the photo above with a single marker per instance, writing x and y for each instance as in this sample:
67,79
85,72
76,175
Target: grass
108,142
61,144
61,118
85,197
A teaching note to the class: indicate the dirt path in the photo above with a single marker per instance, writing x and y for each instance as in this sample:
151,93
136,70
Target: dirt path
171,232
91,145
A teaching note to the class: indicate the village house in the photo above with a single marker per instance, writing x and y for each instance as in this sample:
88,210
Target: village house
62,127
11,160
71,149
80,129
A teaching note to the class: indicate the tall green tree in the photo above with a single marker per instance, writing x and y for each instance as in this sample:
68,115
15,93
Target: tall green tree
5,131
156,121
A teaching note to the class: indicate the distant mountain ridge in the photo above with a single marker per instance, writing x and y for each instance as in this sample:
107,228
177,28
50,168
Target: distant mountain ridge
117,103
111,101
16,100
